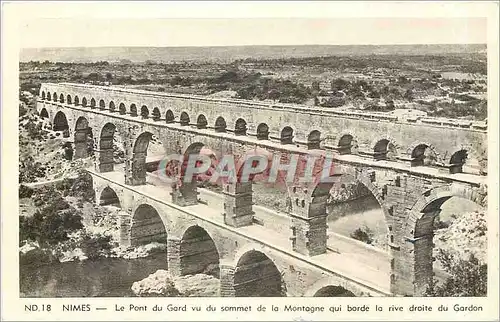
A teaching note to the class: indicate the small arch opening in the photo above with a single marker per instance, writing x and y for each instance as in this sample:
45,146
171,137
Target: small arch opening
184,121
201,122
314,140
262,132
122,109
423,155
156,114
384,150
346,144
169,116
220,124
109,198
333,291
240,127
256,275
144,112
457,161
286,135
133,110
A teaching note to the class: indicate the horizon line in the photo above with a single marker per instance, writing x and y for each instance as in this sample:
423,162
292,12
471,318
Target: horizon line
259,45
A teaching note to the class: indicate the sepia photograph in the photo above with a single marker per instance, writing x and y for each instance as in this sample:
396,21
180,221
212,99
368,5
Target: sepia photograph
254,157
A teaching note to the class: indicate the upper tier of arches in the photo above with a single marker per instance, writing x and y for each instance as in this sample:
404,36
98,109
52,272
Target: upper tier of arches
381,148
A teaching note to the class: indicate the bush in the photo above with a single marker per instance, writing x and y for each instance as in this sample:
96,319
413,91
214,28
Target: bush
50,225
364,235
36,256
83,187
468,277
25,191
30,170
95,246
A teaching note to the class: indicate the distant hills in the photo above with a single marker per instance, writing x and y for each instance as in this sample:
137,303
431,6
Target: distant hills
230,53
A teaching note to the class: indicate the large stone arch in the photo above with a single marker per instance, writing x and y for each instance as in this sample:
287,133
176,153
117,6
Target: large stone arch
60,123
327,282
83,134
308,208
139,153
108,197
106,161
256,275
147,226
414,268
188,190
198,252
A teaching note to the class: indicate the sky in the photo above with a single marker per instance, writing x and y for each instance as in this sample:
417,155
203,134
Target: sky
87,24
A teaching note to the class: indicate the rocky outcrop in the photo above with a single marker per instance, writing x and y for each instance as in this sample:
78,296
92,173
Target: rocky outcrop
162,283
465,236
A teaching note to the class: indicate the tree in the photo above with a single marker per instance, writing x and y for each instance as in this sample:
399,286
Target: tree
468,277
95,246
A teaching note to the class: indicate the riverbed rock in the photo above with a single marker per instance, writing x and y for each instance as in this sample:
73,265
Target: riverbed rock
156,284
162,283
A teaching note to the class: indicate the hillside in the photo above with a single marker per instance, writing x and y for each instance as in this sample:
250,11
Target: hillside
230,53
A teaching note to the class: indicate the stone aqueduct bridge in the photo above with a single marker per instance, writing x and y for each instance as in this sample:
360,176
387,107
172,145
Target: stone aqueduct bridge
410,166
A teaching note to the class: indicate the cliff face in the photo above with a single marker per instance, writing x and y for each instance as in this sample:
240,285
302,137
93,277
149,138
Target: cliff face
466,235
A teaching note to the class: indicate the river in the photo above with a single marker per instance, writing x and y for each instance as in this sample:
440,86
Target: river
104,277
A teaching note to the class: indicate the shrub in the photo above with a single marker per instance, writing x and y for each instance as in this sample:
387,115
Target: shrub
364,235
95,246
83,187
468,277
36,256
52,224
25,191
